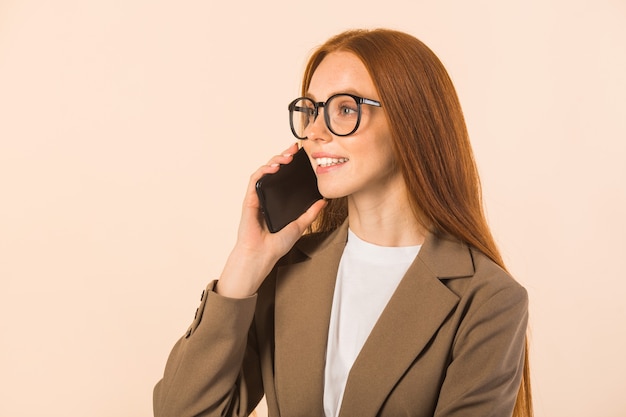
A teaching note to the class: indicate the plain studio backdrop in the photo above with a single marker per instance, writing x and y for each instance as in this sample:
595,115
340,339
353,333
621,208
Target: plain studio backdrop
128,131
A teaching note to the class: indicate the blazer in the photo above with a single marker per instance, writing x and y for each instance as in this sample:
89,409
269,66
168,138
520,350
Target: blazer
449,343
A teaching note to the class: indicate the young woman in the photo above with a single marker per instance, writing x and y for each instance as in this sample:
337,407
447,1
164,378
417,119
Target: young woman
396,301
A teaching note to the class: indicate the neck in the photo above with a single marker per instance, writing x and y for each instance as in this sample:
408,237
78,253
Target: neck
386,220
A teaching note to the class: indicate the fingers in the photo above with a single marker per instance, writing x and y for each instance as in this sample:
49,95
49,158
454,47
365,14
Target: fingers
271,167
285,156
274,163
293,148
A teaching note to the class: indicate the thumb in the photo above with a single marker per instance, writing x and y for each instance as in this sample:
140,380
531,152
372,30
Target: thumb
310,215
305,220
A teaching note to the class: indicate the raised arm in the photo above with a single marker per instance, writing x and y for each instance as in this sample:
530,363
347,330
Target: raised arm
213,370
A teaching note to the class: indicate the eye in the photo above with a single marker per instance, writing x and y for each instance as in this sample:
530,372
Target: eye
347,110
345,107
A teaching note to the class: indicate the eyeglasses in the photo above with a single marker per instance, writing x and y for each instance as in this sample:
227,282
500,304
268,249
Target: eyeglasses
342,113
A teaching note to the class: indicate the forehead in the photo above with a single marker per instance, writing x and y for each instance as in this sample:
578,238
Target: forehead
341,72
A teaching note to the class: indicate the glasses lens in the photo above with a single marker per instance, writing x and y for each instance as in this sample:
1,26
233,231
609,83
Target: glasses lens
342,114
302,112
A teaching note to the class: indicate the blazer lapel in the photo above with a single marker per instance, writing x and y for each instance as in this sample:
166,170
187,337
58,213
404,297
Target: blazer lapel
304,295
417,309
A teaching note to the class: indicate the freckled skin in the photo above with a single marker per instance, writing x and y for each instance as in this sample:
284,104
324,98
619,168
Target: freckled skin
368,173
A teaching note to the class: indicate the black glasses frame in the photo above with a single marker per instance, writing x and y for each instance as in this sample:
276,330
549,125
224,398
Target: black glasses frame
316,109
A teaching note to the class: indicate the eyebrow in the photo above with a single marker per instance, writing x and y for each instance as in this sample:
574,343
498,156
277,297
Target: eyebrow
347,91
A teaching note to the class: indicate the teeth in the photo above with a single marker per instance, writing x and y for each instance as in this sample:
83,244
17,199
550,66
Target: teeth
326,162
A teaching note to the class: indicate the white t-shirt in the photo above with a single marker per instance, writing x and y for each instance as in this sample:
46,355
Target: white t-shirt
367,277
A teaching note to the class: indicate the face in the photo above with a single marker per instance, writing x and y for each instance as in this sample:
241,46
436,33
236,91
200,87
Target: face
360,165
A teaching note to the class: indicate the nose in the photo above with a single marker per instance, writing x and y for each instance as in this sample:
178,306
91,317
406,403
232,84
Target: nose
317,129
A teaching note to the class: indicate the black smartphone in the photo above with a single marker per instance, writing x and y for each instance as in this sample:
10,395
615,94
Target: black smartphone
288,193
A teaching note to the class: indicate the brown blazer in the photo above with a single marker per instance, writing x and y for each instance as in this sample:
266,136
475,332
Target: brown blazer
449,343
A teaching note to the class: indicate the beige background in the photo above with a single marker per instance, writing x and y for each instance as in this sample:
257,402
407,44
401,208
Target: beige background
128,130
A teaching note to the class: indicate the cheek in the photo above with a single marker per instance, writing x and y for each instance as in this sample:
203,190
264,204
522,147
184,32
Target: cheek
385,147
378,156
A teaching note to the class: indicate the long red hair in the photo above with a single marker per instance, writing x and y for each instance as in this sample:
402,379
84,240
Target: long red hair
430,141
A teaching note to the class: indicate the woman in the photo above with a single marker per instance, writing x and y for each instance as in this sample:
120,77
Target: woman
396,303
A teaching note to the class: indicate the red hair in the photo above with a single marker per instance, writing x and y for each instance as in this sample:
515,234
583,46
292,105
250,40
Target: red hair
430,141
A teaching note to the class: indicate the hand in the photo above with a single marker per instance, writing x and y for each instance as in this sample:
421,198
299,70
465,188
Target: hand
257,250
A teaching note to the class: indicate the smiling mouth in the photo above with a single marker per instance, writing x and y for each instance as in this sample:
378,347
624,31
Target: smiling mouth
327,162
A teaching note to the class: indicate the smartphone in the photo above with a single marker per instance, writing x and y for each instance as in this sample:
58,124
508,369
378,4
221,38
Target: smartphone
288,193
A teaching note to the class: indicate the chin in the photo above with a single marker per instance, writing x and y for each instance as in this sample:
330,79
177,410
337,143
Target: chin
331,192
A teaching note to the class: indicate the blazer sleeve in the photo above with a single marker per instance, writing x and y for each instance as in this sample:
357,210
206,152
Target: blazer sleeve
213,370
487,361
